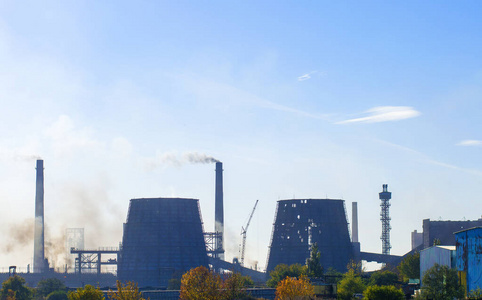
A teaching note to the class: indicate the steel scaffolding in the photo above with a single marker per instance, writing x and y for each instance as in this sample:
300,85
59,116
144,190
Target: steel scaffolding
385,197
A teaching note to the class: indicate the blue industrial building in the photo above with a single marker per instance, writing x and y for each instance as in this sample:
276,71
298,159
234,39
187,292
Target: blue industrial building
469,257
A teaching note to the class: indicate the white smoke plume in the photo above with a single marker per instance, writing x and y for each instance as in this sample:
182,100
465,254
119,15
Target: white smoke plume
26,157
17,154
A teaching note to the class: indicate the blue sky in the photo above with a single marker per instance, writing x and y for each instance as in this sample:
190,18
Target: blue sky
309,100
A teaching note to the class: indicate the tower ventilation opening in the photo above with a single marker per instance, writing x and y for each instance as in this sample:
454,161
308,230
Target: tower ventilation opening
385,197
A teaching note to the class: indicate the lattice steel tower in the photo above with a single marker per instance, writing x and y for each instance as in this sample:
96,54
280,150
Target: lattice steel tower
385,197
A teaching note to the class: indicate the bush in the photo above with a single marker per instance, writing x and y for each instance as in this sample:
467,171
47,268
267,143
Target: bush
57,295
386,292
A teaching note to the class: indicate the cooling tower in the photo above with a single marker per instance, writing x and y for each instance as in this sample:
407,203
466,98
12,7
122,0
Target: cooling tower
162,236
301,222
39,265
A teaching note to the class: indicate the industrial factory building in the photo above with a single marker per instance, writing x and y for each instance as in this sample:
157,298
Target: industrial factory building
301,222
440,231
164,237
161,236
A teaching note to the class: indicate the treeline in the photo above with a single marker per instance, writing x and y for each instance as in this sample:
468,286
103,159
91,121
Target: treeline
291,282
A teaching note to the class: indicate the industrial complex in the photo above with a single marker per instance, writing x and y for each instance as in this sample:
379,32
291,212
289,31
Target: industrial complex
164,237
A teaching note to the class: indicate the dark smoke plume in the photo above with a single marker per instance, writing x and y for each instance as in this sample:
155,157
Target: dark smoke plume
19,235
199,158
175,160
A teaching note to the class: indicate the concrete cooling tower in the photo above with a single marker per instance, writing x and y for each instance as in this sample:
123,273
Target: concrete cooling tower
302,222
162,236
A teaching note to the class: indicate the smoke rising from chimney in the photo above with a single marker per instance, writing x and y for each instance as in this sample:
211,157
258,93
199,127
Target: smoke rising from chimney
26,157
19,235
199,158
174,159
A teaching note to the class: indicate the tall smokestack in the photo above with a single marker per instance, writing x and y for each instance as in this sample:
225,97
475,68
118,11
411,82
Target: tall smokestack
38,247
354,222
219,210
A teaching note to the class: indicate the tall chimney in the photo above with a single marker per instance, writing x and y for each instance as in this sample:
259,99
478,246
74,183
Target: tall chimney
38,247
219,210
354,222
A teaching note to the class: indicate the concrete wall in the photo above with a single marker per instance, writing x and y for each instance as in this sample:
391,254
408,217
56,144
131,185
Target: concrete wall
444,231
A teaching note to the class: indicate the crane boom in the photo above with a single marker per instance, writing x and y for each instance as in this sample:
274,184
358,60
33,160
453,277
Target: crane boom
243,233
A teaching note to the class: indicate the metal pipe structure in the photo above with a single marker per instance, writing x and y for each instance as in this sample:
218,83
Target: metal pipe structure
219,210
38,248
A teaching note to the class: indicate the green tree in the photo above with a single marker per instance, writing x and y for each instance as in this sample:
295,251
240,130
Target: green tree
234,287
175,281
387,292
383,278
332,275
174,284
89,292
15,287
313,264
282,271
128,291
409,267
49,285
356,266
200,284
247,281
57,295
441,283
351,284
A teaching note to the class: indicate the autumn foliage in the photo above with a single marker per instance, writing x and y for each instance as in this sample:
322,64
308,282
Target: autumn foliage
89,292
293,288
200,283
128,291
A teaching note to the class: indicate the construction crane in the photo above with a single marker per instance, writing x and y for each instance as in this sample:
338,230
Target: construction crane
243,233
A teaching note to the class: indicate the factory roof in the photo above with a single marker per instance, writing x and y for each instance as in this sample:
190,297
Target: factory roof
478,227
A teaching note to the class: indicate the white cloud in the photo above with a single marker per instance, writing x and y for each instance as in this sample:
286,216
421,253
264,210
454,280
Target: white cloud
385,114
306,76
470,143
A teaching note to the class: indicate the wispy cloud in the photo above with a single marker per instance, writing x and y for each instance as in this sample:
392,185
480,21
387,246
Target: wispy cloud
470,143
306,76
428,160
384,114
212,90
